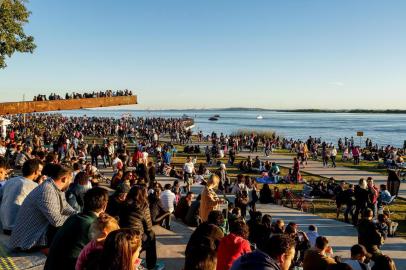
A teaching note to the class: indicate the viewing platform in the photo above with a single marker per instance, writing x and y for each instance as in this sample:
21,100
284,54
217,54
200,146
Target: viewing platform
8,108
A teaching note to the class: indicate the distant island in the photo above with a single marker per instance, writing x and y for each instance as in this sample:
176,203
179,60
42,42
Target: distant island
344,111
395,111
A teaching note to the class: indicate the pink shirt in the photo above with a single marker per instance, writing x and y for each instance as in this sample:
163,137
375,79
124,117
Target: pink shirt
91,247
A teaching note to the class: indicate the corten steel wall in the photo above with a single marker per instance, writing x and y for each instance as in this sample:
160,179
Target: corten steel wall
69,104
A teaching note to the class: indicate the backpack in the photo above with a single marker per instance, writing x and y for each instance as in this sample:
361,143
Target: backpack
242,198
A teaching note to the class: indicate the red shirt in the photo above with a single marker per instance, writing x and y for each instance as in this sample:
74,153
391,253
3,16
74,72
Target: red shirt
231,248
136,157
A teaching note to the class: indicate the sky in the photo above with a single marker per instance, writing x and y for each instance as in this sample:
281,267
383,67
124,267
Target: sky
285,54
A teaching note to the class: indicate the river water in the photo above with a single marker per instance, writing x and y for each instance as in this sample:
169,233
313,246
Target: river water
383,129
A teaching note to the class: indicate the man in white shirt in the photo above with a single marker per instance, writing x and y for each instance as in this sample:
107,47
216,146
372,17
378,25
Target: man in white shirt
117,164
168,201
188,171
14,192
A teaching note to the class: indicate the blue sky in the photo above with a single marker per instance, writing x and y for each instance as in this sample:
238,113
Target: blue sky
213,53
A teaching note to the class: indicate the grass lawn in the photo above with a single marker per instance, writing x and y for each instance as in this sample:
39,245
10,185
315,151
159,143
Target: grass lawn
369,166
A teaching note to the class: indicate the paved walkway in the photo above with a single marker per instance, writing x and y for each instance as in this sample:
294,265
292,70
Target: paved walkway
316,167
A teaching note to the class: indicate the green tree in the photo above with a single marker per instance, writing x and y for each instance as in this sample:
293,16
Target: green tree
13,15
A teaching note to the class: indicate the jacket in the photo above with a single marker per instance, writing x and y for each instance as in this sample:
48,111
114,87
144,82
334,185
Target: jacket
314,260
361,196
136,217
231,248
257,260
208,203
368,234
182,208
69,241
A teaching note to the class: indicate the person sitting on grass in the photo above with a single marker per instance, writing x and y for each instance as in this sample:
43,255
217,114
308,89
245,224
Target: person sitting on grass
382,226
384,195
392,225
99,229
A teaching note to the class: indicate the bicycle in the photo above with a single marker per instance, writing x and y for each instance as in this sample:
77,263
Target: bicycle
302,203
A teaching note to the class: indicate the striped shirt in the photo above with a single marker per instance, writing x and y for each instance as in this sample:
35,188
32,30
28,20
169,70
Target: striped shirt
44,206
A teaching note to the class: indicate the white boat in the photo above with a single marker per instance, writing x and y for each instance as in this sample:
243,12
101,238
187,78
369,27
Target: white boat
259,117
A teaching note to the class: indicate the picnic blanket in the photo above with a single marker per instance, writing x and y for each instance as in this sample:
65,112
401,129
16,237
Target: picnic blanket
267,179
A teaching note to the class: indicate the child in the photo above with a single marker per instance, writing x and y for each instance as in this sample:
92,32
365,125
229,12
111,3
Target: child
177,190
381,226
99,230
393,226
312,234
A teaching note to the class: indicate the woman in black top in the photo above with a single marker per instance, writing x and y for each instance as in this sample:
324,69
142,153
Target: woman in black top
361,199
135,214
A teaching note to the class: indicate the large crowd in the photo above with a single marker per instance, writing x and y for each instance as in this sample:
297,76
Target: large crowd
59,205
75,95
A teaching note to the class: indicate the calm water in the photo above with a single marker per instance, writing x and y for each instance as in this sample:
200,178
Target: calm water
381,128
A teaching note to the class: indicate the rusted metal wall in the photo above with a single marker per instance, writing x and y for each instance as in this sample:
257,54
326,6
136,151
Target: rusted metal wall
69,104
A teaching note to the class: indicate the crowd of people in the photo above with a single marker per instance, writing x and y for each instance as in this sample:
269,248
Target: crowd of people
59,205
94,94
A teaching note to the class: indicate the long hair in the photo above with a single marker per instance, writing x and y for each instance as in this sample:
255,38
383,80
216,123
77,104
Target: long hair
119,249
104,222
137,196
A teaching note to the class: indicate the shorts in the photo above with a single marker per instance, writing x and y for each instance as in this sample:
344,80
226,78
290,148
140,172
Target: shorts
188,178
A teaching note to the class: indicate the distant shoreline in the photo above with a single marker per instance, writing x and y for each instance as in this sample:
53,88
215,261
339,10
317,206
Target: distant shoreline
396,111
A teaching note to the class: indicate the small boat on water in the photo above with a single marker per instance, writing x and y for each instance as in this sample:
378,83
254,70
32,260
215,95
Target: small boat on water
260,117
213,118
216,116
